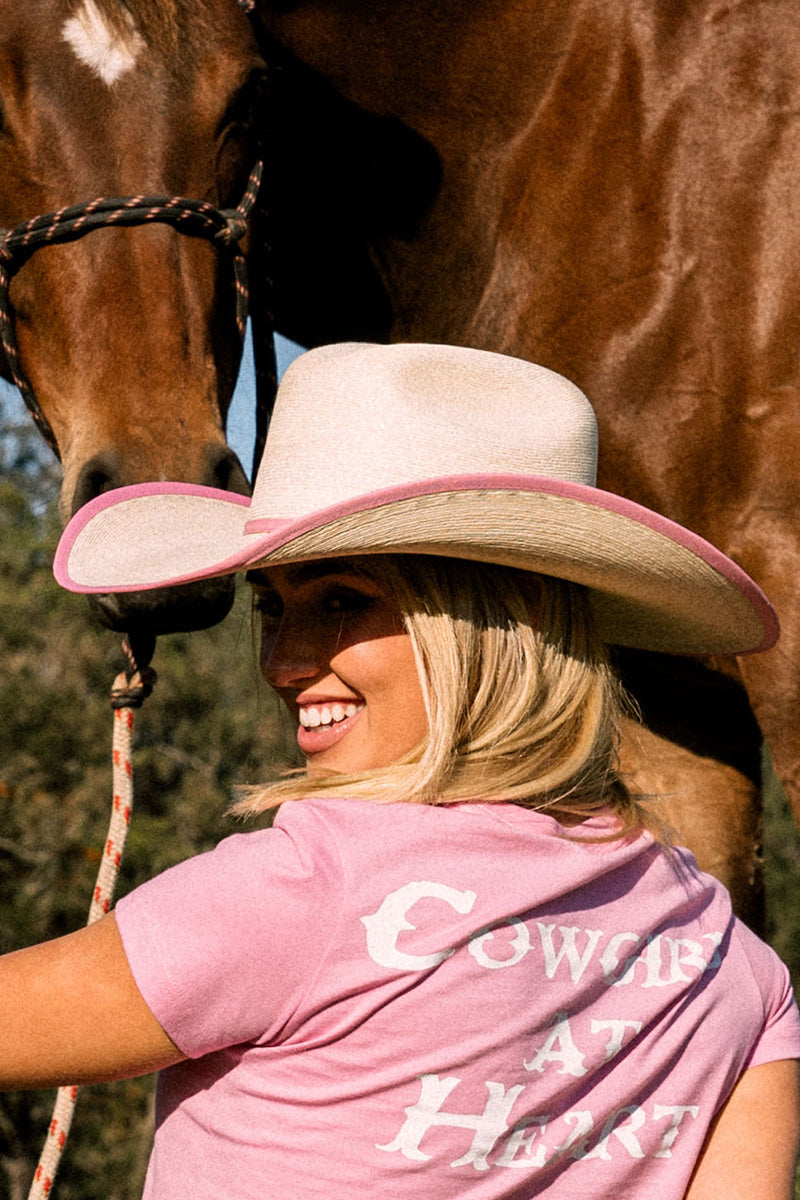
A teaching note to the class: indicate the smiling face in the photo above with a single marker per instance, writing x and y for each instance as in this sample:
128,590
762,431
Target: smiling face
334,648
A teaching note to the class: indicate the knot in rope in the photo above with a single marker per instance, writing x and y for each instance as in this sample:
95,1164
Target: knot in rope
131,688
235,226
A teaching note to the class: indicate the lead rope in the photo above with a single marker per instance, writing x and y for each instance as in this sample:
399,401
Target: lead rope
129,691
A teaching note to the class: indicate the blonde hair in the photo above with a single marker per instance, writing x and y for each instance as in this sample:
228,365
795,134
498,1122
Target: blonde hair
522,702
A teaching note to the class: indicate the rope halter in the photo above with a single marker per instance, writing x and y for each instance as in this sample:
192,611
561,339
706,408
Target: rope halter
197,218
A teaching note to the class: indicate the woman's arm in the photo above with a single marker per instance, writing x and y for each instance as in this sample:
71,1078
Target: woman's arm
752,1147
70,1012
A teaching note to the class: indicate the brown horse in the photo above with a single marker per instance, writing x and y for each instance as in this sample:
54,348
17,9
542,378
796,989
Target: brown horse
127,338
609,187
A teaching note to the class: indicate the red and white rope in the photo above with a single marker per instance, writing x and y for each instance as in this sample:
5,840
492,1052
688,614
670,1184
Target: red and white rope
133,689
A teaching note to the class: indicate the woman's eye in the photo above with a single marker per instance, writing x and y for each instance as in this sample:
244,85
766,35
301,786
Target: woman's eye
344,602
268,606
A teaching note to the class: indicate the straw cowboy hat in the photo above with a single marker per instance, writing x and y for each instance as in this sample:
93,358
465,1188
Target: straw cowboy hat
434,450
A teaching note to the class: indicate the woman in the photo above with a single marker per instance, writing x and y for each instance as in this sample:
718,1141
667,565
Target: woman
461,963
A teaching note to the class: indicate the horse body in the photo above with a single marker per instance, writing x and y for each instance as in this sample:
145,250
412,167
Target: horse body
127,336
617,199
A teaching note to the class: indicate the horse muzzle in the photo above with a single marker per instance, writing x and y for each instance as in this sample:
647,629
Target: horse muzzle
166,610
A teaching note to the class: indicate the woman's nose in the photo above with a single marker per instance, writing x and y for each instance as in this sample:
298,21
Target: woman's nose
289,657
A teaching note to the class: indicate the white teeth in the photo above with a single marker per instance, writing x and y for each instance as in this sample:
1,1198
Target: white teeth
312,717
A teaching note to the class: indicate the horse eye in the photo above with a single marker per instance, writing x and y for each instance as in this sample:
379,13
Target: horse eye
237,139
243,108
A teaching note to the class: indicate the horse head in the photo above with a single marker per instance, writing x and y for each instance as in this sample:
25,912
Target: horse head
127,338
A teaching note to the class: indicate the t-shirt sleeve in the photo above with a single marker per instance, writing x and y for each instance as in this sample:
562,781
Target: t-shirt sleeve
780,1034
224,945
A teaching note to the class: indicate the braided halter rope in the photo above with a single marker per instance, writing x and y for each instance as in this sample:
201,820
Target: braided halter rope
129,691
197,218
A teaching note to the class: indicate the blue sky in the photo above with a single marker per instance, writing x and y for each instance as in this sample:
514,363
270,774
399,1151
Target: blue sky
242,412
241,416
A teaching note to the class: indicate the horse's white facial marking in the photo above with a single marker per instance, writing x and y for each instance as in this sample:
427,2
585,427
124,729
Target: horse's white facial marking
98,46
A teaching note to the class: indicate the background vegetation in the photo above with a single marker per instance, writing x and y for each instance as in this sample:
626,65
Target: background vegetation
206,727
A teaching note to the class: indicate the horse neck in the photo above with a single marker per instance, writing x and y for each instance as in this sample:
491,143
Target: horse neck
464,72
489,60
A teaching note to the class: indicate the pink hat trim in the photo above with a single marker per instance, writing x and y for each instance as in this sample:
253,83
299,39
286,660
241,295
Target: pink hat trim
277,532
133,491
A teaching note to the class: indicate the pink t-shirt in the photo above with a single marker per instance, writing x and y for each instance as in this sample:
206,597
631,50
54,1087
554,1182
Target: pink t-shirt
445,1002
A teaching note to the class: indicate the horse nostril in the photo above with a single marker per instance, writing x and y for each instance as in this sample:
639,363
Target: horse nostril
226,472
100,474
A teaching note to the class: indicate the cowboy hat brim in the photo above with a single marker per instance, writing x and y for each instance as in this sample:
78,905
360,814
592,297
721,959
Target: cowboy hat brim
654,584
